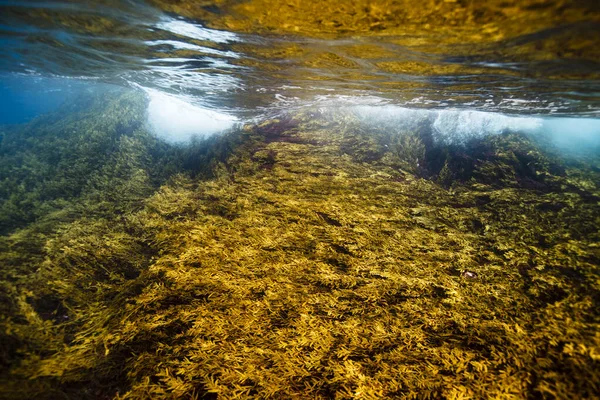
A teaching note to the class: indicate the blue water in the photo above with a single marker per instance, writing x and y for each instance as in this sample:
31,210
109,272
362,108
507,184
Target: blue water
23,97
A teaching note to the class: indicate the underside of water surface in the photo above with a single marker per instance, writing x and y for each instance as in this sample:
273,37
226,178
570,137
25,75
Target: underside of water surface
299,199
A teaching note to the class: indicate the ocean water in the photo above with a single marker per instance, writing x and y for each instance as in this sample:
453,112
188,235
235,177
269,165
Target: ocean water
286,199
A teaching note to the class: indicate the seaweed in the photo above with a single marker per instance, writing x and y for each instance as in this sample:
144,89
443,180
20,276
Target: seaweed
307,257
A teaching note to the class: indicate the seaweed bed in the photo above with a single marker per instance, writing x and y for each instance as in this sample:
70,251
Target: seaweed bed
301,257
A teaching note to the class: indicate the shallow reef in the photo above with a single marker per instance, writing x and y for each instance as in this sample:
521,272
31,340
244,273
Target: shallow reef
301,257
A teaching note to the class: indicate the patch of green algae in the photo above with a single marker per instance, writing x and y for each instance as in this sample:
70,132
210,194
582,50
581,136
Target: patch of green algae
319,259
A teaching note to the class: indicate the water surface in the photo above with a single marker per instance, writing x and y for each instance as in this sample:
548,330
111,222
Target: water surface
527,57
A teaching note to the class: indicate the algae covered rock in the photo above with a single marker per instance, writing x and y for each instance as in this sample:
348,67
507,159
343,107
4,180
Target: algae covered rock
310,257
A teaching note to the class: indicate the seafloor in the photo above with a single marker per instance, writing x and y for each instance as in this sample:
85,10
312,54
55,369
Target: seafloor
304,257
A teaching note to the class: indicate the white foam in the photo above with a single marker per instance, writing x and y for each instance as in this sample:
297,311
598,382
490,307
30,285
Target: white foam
177,121
458,126
189,46
449,126
196,31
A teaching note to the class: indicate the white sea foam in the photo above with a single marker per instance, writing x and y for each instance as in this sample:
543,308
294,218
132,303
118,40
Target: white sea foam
196,31
177,121
457,126
178,45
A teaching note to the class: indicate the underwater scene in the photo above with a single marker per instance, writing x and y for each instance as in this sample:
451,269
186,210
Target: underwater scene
285,199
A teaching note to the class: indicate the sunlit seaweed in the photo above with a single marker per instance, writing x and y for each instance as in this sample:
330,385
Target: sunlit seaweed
305,257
